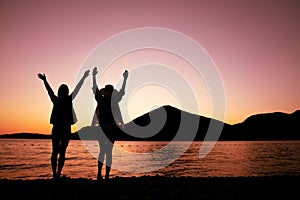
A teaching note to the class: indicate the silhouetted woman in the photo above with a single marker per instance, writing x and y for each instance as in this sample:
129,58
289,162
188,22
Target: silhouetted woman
108,116
62,117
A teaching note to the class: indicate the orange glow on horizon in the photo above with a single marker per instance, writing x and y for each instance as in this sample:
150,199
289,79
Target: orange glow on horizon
257,58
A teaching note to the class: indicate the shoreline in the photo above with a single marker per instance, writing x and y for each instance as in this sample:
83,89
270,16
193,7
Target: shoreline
158,187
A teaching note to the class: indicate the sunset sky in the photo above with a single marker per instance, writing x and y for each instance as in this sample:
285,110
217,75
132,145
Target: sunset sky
254,44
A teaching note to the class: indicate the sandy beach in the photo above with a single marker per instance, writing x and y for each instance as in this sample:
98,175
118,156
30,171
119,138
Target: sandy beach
154,187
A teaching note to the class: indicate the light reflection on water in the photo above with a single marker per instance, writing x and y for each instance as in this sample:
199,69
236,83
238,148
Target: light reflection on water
30,159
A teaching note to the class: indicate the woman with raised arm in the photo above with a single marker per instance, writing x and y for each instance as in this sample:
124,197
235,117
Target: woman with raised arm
62,117
108,117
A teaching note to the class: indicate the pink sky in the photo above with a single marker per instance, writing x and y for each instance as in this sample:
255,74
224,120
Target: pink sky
255,45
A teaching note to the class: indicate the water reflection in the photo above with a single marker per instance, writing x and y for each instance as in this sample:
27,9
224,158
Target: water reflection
29,159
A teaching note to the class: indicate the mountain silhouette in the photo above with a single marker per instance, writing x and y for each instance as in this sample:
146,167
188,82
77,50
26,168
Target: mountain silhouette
168,123
267,126
178,125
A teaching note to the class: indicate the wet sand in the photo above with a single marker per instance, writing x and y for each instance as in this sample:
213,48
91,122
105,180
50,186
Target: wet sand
154,187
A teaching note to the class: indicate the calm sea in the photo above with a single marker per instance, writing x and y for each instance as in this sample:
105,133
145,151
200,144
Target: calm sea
30,159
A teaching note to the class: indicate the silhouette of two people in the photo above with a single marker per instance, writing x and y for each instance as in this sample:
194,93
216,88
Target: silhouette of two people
109,119
62,117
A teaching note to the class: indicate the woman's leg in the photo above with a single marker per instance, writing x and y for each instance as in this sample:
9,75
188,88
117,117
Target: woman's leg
65,138
109,148
100,160
55,150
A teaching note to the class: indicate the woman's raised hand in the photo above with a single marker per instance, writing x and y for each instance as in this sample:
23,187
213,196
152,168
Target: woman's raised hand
95,71
42,76
86,73
125,74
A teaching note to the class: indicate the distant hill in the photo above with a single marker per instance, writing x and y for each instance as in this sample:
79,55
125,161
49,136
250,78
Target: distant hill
266,126
26,136
166,132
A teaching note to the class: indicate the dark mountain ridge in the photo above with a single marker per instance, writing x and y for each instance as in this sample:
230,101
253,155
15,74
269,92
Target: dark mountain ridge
180,125
275,126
